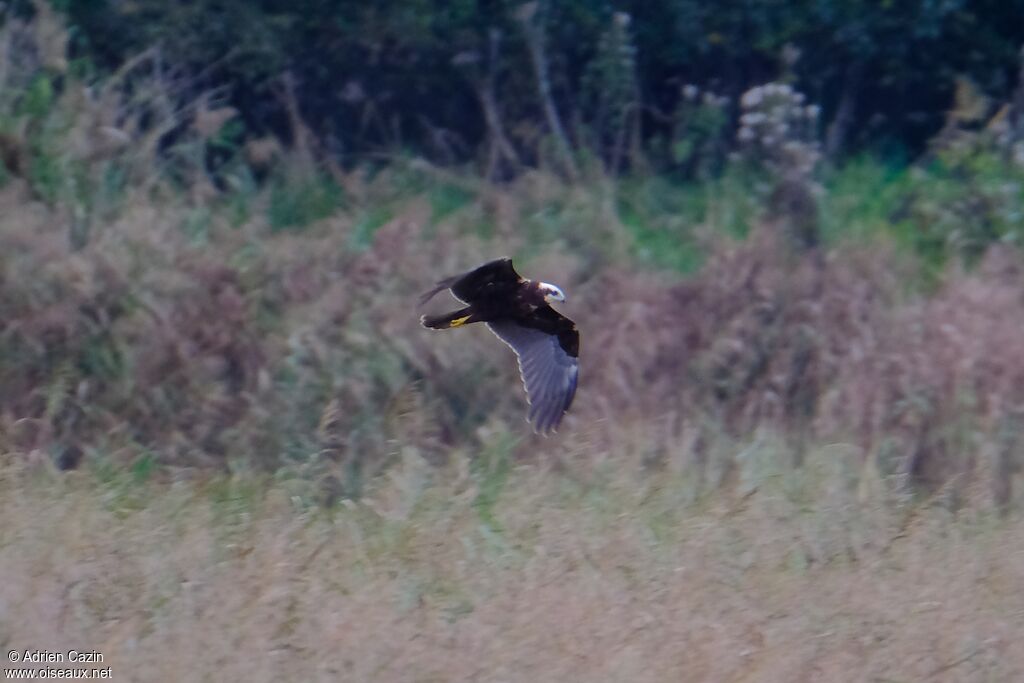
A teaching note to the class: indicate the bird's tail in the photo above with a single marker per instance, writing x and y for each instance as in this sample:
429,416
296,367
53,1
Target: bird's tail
457,318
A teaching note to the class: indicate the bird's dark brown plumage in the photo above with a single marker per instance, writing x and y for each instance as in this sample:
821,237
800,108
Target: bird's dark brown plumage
516,310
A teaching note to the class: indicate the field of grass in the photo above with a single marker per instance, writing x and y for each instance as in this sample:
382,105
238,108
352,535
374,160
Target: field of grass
489,570
801,470
229,450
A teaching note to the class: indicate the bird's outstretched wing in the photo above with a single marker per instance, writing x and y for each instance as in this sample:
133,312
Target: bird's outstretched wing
469,286
548,369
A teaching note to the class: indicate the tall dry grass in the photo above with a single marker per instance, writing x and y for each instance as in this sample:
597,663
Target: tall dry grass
230,351
620,577
193,318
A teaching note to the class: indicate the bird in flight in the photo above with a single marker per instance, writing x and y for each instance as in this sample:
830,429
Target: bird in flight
516,310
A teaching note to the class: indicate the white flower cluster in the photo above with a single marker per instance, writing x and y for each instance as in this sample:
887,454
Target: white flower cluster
778,129
693,95
1006,136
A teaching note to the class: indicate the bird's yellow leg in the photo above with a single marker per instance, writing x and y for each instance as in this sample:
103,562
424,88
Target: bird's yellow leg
460,321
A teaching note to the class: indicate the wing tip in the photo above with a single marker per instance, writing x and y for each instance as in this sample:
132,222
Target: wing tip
547,421
427,296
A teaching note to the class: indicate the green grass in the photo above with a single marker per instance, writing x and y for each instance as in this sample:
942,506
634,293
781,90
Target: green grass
367,224
446,199
948,210
662,216
863,200
296,202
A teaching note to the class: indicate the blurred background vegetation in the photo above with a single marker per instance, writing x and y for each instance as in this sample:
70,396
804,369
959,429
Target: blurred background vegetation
413,75
217,214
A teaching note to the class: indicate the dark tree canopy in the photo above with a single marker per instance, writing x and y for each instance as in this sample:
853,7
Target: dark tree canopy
407,74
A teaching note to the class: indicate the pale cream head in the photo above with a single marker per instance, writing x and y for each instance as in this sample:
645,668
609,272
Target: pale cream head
551,292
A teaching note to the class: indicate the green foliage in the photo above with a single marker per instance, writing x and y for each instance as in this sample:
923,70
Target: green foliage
967,199
974,200
295,202
446,199
862,199
143,468
609,90
663,216
37,99
370,220
398,73
695,146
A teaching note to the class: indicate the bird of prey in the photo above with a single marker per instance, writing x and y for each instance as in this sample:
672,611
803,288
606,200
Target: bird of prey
516,310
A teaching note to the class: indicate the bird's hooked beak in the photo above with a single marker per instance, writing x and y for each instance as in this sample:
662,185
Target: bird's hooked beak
551,292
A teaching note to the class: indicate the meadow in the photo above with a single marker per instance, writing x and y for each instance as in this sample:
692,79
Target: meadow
247,459
505,572
228,449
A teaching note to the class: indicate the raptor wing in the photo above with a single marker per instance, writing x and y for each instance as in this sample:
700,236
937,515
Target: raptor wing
469,286
548,366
